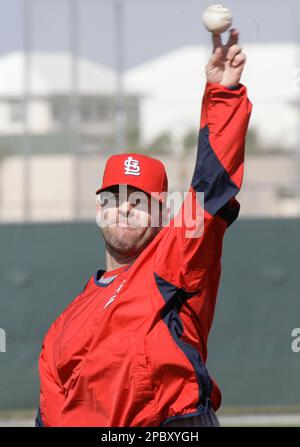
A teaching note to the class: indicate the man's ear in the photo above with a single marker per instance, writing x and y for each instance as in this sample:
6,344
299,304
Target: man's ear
98,203
99,211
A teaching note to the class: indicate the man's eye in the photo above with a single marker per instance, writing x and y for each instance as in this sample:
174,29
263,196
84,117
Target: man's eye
135,202
141,203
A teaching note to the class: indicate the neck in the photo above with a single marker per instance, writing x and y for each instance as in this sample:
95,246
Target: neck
114,261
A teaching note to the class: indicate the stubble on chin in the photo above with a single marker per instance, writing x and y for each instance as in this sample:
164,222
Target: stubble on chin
127,244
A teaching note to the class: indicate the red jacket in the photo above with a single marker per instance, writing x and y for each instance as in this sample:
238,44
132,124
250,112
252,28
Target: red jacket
132,351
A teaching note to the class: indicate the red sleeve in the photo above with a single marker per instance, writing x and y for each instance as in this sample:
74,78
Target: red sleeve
51,392
187,251
52,395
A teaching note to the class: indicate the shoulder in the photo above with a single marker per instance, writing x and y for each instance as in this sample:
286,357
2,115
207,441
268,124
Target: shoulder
60,322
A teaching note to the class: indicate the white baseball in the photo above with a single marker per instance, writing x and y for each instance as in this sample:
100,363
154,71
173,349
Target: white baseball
217,18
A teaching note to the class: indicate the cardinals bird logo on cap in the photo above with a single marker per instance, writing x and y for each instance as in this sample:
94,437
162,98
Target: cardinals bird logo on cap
132,166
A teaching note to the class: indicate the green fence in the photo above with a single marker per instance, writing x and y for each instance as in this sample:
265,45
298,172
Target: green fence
43,267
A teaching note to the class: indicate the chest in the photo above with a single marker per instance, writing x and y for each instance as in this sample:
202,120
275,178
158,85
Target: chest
106,319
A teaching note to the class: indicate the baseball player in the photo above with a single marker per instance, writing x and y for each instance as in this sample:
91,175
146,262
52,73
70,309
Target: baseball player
131,349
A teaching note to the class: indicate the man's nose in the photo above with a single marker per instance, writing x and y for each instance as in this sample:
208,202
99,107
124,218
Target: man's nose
125,207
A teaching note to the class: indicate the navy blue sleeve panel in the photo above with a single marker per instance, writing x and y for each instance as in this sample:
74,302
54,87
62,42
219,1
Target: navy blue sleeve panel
220,153
211,178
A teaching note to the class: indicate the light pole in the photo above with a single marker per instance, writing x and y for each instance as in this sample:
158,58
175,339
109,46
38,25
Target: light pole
297,99
74,115
120,110
26,13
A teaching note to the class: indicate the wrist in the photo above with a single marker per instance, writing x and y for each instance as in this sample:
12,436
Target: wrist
234,87
230,86
214,89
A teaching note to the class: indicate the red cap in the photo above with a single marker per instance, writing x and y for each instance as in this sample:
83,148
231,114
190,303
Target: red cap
137,170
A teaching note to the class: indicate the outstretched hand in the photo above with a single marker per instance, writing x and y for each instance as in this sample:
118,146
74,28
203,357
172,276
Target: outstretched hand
227,62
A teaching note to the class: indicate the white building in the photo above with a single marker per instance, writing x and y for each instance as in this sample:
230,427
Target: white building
50,106
175,82
172,88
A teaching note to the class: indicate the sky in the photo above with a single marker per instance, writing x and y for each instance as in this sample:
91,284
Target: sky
151,27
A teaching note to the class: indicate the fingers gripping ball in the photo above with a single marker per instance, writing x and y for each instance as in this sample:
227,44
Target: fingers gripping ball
217,18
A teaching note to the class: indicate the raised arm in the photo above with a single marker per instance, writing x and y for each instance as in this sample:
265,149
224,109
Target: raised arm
218,171
223,126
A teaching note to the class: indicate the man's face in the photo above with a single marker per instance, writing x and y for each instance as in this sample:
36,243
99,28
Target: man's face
128,218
